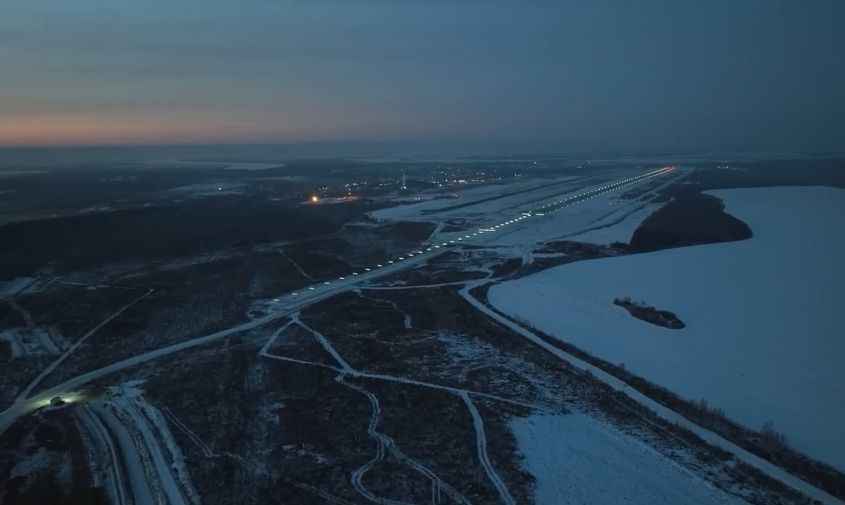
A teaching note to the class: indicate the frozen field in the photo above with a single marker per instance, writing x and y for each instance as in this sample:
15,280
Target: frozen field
763,339
577,459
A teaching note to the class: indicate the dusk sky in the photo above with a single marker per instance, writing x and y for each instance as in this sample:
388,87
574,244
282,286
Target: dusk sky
575,74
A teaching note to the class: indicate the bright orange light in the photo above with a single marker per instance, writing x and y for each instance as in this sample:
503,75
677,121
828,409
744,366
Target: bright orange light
315,199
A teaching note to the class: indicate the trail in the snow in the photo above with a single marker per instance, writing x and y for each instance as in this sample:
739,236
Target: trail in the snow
481,446
614,222
295,264
381,446
44,337
383,442
92,286
27,318
346,367
294,319
436,231
406,318
58,361
206,450
431,336
301,362
322,494
412,382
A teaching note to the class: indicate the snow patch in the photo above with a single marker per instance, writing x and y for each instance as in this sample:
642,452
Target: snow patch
618,228
18,286
577,459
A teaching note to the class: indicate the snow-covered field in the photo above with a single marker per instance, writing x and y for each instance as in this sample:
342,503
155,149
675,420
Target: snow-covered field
583,222
603,218
485,199
763,337
577,459
619,227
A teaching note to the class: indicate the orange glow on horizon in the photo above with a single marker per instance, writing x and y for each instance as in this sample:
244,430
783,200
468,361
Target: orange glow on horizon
119,129
43,130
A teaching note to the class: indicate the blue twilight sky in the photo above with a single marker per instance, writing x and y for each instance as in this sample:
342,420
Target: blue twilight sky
579,74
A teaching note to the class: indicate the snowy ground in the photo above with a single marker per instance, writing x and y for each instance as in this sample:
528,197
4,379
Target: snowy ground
763,336
17,286
486,206
619,227
484,199
577,459
583,222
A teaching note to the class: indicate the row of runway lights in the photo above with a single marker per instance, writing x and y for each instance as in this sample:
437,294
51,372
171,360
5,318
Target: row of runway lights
525,215
432,248
563,202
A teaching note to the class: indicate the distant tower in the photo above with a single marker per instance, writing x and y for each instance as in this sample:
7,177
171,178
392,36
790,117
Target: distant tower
404,184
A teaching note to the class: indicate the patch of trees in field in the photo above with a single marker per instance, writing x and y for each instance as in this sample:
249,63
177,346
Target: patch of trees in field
689,218
650,314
